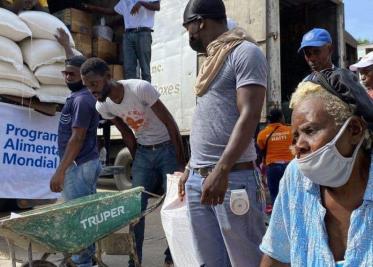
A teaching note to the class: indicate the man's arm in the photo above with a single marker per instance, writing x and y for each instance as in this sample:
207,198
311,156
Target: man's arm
128,137
267,261
73,147
64,40
100,10
165,116
250,100
153,6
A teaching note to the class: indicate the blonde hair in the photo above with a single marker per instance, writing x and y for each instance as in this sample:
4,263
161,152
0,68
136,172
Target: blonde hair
334,106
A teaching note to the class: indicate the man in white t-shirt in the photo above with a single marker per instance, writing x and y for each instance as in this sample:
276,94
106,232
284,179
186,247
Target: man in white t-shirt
147,127
137,40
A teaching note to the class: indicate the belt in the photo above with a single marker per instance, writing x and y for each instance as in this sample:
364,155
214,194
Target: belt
154,147
204,172
139,29
279,162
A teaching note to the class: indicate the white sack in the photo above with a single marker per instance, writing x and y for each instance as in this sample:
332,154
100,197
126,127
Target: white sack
12,27
51,74
8,87
52,93
10,52
176,224
38,52
9,72
43,25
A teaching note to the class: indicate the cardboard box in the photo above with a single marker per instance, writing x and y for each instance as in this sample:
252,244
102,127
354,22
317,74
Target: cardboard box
105,50
83,43
116,72
76,20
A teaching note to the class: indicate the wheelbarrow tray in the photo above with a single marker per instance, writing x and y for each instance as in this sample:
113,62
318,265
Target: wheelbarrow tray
74,225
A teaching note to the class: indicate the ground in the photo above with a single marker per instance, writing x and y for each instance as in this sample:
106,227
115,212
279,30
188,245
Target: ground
154,244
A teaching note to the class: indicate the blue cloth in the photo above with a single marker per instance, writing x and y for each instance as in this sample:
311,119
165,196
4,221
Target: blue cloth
275,172
79,112
137,48
150,168
316,37
297,233
80,180
222,238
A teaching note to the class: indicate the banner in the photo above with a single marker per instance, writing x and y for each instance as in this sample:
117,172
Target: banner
28,152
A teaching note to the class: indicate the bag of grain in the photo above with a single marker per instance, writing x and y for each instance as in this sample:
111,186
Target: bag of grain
43,25
12,27
14,88
11,53
53,93
9,72
40,52
51,74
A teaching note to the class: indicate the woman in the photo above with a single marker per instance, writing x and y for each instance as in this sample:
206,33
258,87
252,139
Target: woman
324,211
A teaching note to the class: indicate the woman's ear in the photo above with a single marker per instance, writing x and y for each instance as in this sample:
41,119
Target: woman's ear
356,129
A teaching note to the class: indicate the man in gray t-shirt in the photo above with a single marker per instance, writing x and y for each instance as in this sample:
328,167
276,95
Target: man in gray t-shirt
228,109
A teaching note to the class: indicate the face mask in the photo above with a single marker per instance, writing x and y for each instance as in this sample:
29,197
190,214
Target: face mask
105,92
74,87
326,166
196,45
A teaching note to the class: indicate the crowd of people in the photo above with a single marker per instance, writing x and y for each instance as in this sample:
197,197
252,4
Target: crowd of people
319,169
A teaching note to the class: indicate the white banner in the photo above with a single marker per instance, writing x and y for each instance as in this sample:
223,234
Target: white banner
28,152
174,63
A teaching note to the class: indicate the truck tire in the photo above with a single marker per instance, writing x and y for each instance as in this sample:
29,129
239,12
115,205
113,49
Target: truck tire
123,179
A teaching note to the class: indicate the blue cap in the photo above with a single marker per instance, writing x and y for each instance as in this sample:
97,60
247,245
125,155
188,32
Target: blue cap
315,37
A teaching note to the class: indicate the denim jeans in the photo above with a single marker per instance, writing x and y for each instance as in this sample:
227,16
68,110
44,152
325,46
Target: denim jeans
150,168
137,47
274,174
222,238
80,180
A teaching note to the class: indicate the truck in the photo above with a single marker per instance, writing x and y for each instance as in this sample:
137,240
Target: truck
276,25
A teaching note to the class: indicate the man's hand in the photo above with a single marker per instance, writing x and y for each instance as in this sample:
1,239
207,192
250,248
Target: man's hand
56,183
183,179
62,37
136,8
214,188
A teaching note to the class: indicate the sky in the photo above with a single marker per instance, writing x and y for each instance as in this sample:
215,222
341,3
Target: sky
359,18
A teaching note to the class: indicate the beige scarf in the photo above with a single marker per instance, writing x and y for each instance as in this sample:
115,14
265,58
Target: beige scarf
217,53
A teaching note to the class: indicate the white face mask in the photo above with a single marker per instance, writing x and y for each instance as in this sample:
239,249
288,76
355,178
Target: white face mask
326,166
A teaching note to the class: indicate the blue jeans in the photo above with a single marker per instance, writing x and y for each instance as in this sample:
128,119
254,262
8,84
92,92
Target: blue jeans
150,168
274,174
222,238
80,181
137,47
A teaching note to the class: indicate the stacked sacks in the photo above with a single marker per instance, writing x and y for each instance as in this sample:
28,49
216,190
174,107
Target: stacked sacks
15,78
45,56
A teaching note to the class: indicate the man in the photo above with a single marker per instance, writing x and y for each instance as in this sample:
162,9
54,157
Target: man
365,68
230,92
324,211
274,141
79,168
134,105
318,49
137,39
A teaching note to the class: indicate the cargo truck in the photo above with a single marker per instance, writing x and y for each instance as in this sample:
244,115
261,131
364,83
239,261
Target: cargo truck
276,25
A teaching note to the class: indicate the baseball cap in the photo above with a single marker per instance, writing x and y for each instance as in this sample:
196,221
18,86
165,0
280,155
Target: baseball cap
364,62
207,9
315,37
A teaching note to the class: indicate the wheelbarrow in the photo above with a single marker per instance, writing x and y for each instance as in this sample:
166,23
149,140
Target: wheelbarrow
72,226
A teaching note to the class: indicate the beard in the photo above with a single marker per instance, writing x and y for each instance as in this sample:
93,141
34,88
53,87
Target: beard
74,87
196,45
104,93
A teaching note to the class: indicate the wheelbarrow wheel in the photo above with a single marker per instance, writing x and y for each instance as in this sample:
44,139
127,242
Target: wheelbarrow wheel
39,263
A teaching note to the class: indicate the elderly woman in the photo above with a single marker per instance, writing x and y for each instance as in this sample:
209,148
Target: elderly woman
323,215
